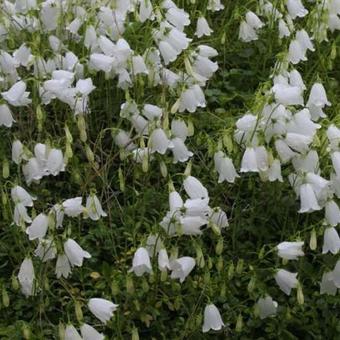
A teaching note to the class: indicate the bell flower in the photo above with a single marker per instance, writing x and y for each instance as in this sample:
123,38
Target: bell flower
225,168
6,117
182,267
26,277
194,188
55,162
152,112
336,274
290,250
159,141
332,213
17,95
215,5
331,241
38,228
308,199
17,152
212,319
46,250
253,20
94,208
73,207
145,11
180,151
327,285
75,253
89,333
267,307
102,309
191,225
141,262
296,9
71,333
20,195
286,280
63,266
202,28
247,33
218,218
163,260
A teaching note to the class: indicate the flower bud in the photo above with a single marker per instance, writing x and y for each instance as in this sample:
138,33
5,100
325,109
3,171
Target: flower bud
89,153
239,324
300,297
121,180
239,266
82,128
78,311
5,297
313,243
135,334
219,246
163,168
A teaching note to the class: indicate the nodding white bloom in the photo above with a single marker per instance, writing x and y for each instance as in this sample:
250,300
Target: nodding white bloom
180,151
247,33
182,267
123,140
26,277
21,215
73,207
335,156
283,29
145,11
332,213
141,262
336,274
46,250
308,199
333,134
331,241
102,309
63,266
23,55
38,228
177,17
94,208
284,151
75,253
163,260
153,244
101,62
159,141
298,142
304,40
138,65
290,250
296,52
6,117
274,171
253,20
20,195
296,9
202,28
286,280
327,285
168,53
254,159
212,319
218,218
215,5
55,162
287,94
152,112
17,152
175,201
307,163
71,333
191,225
267,307
191,99
194,188
318,96
17,95
89,333
225,168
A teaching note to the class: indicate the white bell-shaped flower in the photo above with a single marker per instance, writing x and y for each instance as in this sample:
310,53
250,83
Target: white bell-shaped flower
20,195
94,208
17,95
267,307
296,9
145,11
71,333
194,188
17,152
290,250
6,117
253,20
308,199
182,267
327,285
284,151
141,262
247,33
249,161
180,151
286,280
191,225
163,260
89,333
102,309
26,277
215,5
38,228
159,141
331,241
288,95
212,319
46,250
152,112
335,156
318,96
218,218
332,213
225,168
75,253
73,206
63,266
336,274
202,28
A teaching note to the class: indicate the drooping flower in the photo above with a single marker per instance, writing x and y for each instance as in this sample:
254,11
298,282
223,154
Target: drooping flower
327,285
6,117
286,280
75,253
102,309
212,319
38,228
308,199
163,260
17,95
141,262
26,277
73,207
331,241
182,267
71,333
225,168
63,266
202,28
290,250
296,9
89,333
94,208
194,188
267,307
